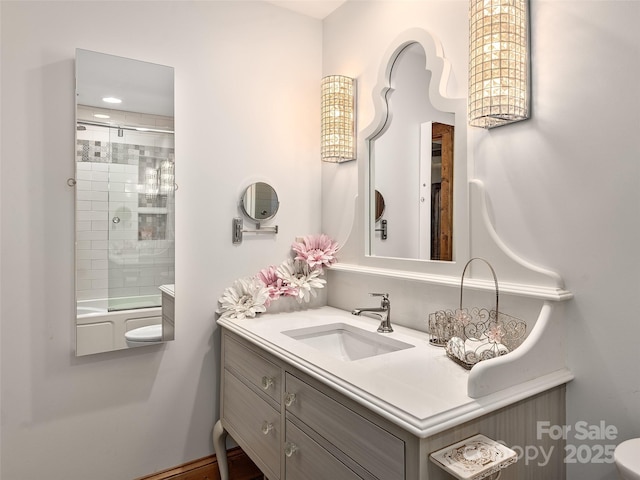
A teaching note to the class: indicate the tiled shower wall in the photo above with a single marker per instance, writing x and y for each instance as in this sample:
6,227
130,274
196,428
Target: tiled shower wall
124,231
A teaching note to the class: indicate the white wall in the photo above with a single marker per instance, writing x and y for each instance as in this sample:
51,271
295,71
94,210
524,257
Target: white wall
563,185
247,109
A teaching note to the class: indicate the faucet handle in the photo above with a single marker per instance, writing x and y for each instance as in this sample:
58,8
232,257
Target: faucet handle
385,299
384,295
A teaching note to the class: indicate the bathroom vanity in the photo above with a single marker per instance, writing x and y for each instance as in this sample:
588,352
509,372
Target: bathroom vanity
305,403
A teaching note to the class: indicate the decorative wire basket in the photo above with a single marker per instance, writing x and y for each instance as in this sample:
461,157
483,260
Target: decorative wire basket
471,335
441,327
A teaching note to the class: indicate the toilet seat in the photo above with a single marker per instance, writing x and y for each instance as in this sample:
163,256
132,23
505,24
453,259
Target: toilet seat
627,458
144,335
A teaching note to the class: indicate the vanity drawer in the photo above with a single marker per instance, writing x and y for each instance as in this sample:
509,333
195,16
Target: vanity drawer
309,461
253,424
252,367
372,447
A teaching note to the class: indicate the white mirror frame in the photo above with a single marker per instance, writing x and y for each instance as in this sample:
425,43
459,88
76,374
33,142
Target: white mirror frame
470,203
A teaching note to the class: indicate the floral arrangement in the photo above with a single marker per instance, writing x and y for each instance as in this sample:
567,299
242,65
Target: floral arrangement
297,277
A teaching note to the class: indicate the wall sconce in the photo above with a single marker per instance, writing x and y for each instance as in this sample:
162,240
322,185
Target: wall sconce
498,62
338,137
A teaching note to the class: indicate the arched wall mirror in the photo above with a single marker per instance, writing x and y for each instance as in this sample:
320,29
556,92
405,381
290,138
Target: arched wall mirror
417,155
125,203
411,160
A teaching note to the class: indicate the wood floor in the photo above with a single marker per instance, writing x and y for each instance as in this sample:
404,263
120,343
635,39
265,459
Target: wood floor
240,468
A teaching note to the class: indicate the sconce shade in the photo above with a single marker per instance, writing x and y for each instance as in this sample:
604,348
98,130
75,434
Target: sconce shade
337,143
498,62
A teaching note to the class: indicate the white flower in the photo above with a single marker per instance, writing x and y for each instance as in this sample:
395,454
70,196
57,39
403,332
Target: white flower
302,279
245,299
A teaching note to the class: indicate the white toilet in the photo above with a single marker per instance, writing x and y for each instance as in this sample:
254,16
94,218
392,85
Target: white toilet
627,458
144,336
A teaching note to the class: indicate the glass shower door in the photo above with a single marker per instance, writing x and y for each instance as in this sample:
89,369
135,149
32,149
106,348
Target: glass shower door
141,226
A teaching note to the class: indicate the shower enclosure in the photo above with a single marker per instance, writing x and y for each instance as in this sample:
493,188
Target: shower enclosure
125,199
126,215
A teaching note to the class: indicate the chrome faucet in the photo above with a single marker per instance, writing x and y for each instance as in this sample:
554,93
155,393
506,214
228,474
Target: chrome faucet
383,311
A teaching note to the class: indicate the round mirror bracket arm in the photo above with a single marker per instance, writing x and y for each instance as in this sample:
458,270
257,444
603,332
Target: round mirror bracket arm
238,230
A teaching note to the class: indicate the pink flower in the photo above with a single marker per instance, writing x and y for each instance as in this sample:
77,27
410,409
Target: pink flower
317,251
463,317
495,334
289,291
275,285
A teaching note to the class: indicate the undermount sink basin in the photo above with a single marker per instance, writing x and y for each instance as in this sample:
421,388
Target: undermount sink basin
346,342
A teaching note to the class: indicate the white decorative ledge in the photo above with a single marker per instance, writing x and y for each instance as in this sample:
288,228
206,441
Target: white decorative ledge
532,291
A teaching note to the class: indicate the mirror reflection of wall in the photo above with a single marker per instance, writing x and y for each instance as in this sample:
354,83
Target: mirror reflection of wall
418,185
125,208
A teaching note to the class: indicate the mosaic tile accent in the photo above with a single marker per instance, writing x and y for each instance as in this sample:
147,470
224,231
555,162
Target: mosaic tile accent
134,154
123,153
93,151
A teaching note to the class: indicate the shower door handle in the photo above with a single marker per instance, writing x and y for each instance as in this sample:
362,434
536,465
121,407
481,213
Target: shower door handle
115,219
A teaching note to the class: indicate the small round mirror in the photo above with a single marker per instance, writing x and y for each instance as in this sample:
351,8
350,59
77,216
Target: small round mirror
260,201
379,205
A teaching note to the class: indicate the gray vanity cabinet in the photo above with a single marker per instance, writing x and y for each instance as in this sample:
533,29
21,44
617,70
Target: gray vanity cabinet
310,461
371,447
294,428
250,410
255,423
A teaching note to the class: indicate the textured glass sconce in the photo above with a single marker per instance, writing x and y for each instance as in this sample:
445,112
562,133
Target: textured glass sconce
498,62
338,137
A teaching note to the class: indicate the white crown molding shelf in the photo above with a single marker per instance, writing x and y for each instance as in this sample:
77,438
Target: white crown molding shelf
530,291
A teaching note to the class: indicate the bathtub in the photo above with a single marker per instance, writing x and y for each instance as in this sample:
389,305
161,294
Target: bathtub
101,306
99,330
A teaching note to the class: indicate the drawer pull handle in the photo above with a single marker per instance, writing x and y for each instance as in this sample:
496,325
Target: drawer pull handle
267,382
289,399
290,449
266,427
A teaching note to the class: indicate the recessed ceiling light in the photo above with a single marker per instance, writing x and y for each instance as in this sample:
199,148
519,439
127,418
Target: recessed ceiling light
111,100
101,115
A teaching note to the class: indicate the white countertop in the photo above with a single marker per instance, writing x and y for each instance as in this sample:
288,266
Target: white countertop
419,388
169,289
